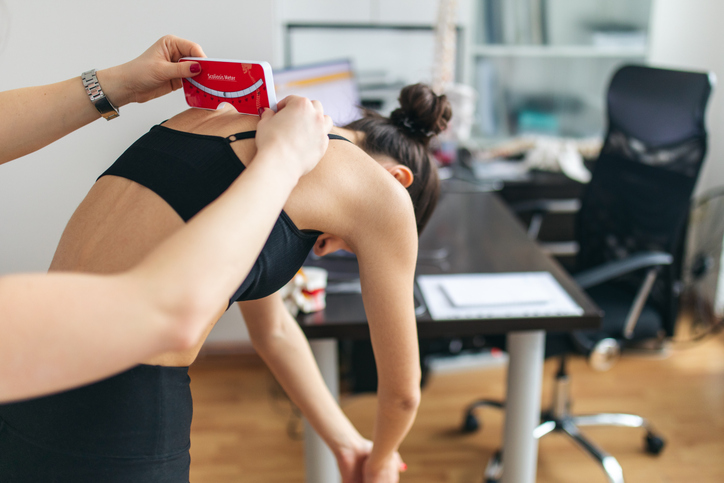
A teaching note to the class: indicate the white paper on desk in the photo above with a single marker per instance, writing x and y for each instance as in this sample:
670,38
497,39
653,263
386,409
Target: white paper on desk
488,295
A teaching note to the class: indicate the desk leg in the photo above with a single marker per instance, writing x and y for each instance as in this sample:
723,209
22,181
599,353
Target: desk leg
522,406
319,462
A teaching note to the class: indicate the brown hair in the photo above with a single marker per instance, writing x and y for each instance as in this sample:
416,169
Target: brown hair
405,137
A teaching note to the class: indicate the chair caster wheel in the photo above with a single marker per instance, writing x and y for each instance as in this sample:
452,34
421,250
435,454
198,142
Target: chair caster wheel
654,444
494,468
470,424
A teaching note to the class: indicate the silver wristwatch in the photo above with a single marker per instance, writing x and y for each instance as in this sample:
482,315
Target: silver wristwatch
97,97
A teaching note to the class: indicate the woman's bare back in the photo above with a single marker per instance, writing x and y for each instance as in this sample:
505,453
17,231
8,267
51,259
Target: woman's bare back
120,221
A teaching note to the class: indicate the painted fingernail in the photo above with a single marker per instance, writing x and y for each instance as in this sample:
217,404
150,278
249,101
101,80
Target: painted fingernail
261,111
403,467
195,68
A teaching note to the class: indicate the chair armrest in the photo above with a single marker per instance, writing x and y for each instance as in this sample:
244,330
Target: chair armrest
543,207
561,248
547,206
608,271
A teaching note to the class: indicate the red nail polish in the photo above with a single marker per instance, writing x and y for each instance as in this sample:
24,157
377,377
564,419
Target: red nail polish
195,68
403,467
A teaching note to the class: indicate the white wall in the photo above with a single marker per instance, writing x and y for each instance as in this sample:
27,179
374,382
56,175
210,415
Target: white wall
46,41
43,41
688,35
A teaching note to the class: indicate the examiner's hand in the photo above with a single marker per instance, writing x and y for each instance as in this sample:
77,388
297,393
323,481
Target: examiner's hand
297,133
153,74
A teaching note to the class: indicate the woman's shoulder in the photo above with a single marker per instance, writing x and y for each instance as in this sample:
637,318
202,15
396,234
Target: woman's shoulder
349,190
350,172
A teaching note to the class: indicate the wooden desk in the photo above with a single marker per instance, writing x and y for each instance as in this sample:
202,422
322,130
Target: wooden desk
469,233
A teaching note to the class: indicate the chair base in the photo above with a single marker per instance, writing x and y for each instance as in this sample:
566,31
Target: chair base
559,419
569,425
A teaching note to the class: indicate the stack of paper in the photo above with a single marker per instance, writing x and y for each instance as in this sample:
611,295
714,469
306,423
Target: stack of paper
488,295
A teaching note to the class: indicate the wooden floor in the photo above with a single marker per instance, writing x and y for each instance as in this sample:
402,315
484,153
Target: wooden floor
245,431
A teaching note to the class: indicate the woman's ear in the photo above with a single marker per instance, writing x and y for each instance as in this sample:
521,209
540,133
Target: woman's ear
402,173
327,244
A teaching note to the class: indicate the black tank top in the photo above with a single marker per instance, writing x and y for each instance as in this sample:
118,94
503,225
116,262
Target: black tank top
135,426
189,171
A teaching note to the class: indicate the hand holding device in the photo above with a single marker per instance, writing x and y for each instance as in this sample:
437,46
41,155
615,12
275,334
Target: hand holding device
246,85
153,74
297,133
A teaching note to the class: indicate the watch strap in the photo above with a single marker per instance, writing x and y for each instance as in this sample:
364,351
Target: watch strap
97,97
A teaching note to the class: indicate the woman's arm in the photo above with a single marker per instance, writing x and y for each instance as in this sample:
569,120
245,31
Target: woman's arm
33,117
387,253
355,200
279,341
63,330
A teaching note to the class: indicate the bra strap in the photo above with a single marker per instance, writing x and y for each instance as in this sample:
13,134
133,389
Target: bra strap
251,134
337,136
241,135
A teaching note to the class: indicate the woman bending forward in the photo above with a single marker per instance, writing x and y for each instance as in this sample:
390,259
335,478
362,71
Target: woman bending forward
370,196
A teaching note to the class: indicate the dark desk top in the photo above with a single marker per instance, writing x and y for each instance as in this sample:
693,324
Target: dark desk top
468,233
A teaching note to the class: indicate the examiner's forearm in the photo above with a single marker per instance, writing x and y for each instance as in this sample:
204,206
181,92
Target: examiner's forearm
61,330
34,117
204,262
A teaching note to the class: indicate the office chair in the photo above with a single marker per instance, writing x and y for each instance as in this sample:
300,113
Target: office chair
629,233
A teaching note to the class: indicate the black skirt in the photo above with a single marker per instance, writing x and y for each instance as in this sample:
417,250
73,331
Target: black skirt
132,427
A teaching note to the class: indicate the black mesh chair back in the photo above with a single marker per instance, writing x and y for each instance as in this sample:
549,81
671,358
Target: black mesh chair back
638,197
636,202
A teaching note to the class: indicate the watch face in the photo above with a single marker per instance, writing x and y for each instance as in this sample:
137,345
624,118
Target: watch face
245,85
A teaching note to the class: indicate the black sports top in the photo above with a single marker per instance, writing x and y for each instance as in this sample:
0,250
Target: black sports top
189,171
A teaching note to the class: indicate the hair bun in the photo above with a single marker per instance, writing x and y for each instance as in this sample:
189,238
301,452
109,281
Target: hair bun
422,113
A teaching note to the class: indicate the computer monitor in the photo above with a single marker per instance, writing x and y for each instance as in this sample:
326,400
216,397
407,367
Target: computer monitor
331,83
386,57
